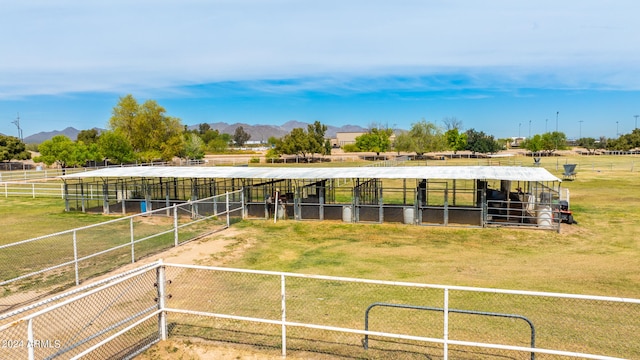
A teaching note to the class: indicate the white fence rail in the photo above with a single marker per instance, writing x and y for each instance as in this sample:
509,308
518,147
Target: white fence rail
35,267
52,173
289,313
33,189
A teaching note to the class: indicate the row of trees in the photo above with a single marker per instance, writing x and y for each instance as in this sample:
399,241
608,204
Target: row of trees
144,132
425,137
12,148
137,132
302,143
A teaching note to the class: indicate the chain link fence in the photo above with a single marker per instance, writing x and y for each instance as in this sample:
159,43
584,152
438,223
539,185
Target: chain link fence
49,264
311,316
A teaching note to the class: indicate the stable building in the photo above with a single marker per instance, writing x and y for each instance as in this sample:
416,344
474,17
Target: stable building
475,196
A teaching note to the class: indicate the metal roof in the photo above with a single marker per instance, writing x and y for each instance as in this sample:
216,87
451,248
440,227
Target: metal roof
513,173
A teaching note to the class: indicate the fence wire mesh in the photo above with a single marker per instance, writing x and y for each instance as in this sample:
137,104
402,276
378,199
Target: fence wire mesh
70,327
313,316
38,267
566,324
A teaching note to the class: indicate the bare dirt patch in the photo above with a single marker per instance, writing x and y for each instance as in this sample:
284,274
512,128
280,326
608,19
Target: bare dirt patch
198,349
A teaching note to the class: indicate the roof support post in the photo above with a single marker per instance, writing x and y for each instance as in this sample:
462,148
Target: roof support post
105,196
66,195
380,201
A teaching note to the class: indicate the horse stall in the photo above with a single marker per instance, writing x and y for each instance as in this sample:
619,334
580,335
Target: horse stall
470,196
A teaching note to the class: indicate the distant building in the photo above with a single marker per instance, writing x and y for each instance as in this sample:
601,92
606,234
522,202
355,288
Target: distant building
346,138
516,141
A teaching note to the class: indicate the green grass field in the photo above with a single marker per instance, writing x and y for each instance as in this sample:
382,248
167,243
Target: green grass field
600,255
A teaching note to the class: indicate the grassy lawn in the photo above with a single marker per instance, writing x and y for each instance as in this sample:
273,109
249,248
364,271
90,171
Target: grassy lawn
600,255
24,218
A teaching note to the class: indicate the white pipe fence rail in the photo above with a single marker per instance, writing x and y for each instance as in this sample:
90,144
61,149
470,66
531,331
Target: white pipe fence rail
66,258
290,313
33,189
51,173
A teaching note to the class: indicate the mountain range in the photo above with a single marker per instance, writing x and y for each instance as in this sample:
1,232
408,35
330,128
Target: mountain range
258,132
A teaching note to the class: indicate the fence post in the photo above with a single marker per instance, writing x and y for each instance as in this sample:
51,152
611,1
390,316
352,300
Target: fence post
75,256
133,245
242,204
445,335
30,338
175,225
33,190
162,316
284,315
228,212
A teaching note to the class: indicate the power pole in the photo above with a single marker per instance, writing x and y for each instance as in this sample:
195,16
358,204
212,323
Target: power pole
580,136
636,116
17,124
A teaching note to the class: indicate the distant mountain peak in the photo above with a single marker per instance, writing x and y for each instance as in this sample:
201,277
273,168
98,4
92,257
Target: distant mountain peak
258,132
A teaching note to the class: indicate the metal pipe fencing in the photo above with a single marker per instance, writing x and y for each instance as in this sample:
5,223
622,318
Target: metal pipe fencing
33,189
35,267
287,313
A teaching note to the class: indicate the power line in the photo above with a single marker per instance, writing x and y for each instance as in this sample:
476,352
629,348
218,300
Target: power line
16,122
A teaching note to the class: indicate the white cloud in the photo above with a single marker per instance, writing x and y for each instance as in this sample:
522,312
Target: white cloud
76,46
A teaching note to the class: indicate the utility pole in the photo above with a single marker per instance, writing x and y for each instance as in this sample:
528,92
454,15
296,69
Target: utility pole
519,126
557,113
546,121
580,136
16,122
636,116
529,129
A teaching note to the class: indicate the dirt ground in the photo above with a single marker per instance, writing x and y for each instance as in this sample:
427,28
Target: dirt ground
225,246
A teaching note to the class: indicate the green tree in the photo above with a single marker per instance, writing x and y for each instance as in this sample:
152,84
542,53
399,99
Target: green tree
152,134
219,144
589,143
88,137
423,137
403,142
316,132
533,144
116,148
303,143
553,141
62,151
455,140
479,142
294,143
193,147
327,147
272,141
625,142
240,137
203,128
376,140
12,148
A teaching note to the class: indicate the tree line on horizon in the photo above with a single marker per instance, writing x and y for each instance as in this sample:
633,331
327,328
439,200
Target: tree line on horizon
143,132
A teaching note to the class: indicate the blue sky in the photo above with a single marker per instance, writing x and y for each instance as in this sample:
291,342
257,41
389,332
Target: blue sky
506,67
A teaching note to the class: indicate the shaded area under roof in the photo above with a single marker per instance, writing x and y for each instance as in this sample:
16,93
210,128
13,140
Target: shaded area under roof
513,173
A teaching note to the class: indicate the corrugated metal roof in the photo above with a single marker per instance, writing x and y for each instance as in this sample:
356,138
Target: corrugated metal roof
513,173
